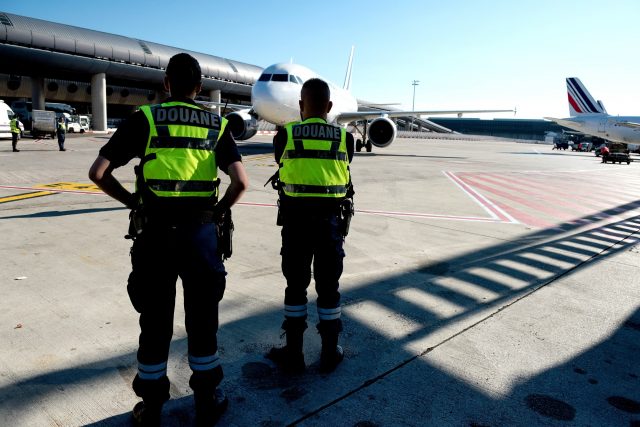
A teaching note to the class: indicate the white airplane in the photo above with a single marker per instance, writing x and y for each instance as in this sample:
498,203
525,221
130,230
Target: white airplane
590,117
275,97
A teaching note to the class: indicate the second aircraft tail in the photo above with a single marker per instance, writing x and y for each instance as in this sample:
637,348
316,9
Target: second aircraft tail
580,100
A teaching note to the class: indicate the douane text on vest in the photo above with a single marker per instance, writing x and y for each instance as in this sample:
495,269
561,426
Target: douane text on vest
186,115
316,131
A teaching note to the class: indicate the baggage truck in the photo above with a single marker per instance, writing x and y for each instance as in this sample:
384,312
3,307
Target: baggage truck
43,123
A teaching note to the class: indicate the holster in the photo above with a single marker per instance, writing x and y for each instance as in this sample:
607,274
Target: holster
346,213
224,227
137,223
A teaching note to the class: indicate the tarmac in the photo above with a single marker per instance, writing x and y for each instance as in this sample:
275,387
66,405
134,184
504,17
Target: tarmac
486,283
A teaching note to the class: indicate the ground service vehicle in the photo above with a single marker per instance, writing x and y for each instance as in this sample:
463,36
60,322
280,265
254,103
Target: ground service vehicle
78,124
6,114
617,153
43,123
24,110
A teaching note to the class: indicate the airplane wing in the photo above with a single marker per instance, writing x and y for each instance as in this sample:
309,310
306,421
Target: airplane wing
366,115
224,105
629,125
564,122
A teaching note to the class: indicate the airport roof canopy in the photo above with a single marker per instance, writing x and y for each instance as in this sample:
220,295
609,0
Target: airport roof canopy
28,46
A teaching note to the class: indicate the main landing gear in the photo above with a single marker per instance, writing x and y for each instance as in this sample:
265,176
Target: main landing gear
359,144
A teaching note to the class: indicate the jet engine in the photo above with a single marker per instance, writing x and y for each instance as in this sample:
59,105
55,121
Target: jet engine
242,124
382,132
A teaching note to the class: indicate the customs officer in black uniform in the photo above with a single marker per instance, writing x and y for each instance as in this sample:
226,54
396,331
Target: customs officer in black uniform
174,213
315,206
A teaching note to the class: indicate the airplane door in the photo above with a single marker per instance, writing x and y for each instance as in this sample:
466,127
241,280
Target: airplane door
602,126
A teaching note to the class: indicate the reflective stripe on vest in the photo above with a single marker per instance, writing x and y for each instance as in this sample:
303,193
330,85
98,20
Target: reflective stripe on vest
315,162
182,140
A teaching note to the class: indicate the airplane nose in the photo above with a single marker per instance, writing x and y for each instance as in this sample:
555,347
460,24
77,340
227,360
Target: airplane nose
274,103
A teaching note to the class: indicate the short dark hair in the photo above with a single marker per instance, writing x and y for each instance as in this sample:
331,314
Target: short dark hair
317,93
184,74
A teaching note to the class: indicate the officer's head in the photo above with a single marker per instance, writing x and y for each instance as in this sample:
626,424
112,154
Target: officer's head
184,77
315,99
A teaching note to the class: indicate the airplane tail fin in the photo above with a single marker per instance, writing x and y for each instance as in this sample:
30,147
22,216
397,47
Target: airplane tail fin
580,100
347,77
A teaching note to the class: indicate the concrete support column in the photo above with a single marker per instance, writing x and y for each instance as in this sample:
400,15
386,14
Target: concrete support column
99,102
37,93
214,96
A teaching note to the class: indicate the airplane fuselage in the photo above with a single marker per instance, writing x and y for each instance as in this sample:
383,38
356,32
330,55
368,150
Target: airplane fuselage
605,126
276,94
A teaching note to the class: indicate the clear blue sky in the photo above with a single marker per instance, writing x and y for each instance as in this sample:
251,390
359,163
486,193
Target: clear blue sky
466,54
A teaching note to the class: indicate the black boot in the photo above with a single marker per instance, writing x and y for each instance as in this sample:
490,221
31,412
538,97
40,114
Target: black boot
147,415
290,358
15,150
209,408
331,354
154,394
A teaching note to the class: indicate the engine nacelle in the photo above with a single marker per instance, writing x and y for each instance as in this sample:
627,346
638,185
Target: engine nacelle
382,132
242,124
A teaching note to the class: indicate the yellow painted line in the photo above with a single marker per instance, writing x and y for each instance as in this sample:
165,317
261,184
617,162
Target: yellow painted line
70,186
25,196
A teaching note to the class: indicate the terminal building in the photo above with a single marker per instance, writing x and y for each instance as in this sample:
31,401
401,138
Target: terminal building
503,128
105,75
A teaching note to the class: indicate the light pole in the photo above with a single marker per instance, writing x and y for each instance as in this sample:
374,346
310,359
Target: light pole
413,106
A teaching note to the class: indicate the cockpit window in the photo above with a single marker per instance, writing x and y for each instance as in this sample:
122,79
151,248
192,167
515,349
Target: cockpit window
293,79
299,80
265,78
280,78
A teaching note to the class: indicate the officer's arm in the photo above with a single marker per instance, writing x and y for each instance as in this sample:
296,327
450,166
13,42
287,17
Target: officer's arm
279,143
239,183
101,174
350,146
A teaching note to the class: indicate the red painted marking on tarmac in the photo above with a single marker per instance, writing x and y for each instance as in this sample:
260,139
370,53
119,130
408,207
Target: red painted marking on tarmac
493,210
526,202
525,218
426,215
262,205
394,213
521,187
585,195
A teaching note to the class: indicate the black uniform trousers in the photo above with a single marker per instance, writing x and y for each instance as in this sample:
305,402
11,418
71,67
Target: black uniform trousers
159,256
61,137
312,238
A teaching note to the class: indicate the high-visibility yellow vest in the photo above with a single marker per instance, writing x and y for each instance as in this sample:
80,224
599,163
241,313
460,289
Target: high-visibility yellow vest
315,161
179,160
14,126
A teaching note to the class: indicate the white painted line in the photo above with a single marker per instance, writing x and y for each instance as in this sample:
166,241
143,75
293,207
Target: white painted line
490,207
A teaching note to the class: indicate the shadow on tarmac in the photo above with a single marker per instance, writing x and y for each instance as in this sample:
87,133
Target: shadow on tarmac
50,214
379,388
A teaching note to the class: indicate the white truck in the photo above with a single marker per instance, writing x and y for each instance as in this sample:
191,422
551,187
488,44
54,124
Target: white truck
78,124
43,123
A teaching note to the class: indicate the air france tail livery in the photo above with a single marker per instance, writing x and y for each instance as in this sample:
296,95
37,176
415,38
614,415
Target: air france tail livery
590,117
275,99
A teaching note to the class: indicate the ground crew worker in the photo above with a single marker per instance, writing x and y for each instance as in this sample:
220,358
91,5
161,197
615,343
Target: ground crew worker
314,182
180,146
61,131
604,152
15,133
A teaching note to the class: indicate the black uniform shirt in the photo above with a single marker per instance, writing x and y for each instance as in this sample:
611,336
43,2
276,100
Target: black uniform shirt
316,204
130,141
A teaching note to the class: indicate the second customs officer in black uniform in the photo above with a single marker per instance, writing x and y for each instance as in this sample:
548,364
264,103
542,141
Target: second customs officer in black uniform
181,148
315,182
